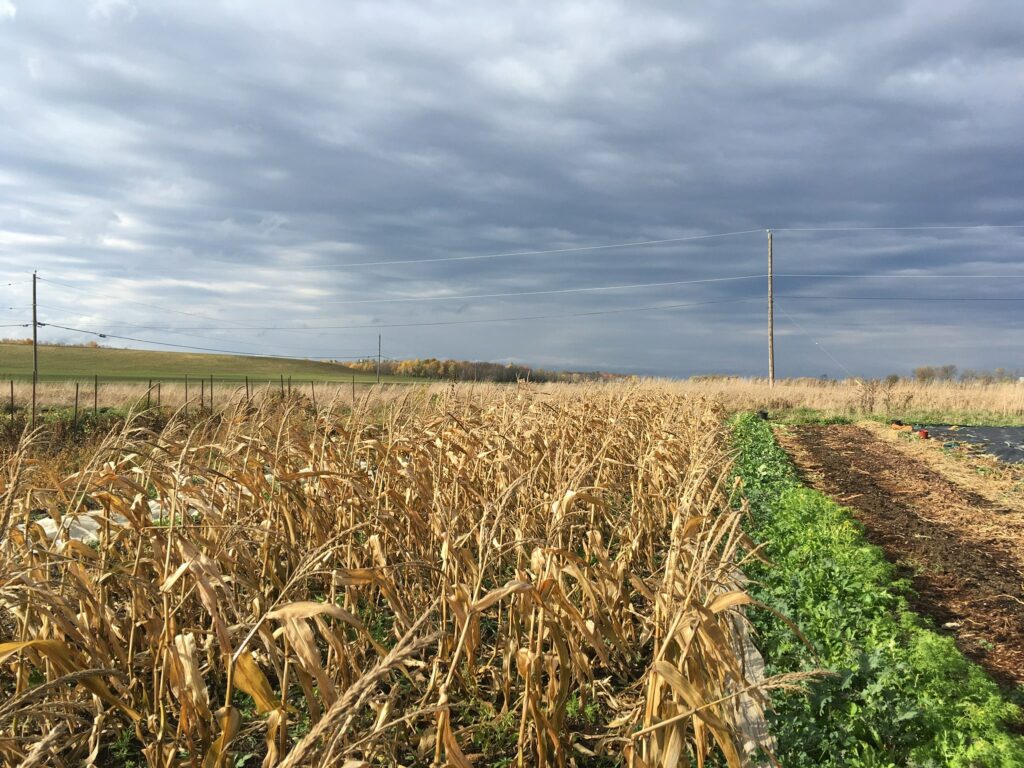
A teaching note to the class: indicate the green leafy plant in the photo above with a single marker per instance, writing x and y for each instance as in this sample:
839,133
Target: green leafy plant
900,694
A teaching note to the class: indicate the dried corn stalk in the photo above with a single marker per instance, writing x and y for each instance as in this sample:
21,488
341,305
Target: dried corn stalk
451,578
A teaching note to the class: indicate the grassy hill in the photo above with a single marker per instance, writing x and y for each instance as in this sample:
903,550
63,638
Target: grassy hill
61,363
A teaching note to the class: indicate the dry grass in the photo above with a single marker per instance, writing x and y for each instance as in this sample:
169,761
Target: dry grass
122,394
1002,401
991,402
500,575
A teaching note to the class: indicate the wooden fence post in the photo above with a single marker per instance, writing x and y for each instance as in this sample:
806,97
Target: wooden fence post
12,399
158,394
96,397
186,395
148,393
313,390
211,393
202,394
74,419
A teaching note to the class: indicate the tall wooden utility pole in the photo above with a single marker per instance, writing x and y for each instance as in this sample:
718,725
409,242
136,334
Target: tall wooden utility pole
771,315
35,350
378,358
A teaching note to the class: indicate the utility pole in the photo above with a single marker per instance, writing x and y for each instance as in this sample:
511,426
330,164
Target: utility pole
35,350
771,314
378,358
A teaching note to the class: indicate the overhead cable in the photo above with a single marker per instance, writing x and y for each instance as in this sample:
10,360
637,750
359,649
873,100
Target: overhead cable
893,229
908,275
510,254
626,287
101,335
147,305
902,298
661,307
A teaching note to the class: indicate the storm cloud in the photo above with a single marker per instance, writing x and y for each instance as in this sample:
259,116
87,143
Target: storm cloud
210,173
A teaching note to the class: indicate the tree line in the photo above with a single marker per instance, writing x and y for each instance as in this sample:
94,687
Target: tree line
469,370
930,373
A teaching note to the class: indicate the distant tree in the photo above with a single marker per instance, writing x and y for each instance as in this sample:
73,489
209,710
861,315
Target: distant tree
946,373
925,374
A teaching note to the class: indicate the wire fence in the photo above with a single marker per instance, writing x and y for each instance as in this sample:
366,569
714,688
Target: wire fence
84,399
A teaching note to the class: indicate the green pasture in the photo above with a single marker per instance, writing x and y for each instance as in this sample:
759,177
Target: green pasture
128,365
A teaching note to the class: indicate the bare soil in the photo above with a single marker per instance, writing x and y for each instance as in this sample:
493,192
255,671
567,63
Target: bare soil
963,551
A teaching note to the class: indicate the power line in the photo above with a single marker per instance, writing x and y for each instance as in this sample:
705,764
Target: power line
558,291
894,229
816,342
540,317
115,323
910,276
121,324
903,298
625,287
147,305
198,349
636,243
174,331
510,254
655,308
405,299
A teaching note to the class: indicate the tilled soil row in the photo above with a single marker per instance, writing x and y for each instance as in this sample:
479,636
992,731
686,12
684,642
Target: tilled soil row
967,573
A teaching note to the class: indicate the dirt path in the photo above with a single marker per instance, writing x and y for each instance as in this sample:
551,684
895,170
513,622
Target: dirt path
963,552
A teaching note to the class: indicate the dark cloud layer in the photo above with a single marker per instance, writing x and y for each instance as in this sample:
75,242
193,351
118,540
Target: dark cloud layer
205,157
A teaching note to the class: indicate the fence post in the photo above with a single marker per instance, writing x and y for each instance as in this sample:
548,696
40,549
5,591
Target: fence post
12,399
247,388
289,386
353,390
186,395
148,393
211,393
158,394
96,397
74,419
202,394
313,390
282,384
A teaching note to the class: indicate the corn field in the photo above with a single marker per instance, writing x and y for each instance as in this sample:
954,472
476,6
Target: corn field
485,576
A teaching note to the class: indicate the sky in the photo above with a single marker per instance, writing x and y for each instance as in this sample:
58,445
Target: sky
264,177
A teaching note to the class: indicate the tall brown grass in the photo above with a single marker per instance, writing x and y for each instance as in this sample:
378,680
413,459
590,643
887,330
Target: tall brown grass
448,576
848,397
125,394
858,397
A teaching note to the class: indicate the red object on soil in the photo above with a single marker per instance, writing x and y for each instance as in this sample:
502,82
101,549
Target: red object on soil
923,434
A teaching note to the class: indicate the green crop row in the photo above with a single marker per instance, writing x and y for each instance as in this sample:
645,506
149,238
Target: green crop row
899,694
